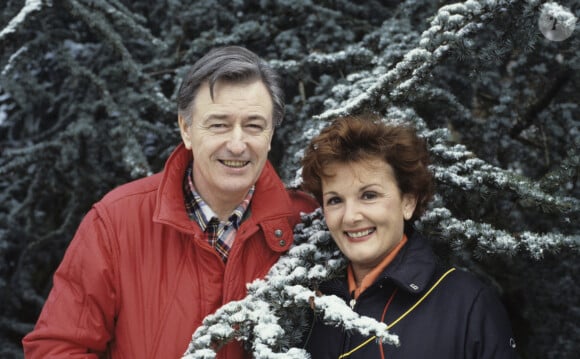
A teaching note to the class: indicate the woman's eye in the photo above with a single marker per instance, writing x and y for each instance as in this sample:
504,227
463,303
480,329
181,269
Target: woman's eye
369,195
332,201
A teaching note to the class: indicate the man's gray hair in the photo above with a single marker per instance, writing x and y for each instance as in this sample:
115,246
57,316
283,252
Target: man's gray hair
231,64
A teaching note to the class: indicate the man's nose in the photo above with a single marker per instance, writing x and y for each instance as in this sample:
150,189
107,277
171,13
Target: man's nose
237,142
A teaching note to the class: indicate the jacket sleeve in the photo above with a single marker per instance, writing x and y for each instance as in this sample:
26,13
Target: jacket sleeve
77,319
489,334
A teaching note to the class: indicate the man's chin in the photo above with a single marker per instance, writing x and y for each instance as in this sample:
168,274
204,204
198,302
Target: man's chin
235,189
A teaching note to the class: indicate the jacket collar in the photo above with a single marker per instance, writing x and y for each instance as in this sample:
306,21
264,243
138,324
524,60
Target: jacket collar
414,267
169,207
270,209
411,270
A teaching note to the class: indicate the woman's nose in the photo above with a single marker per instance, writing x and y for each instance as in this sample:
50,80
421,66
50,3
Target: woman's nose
352,213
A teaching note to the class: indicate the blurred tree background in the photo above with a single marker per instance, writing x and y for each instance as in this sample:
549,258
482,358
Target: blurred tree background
87,102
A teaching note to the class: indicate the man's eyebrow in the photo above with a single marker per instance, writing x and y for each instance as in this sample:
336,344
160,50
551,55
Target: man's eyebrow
216,116
257,117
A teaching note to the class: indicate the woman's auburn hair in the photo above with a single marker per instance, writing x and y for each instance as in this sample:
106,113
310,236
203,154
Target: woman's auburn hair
358,138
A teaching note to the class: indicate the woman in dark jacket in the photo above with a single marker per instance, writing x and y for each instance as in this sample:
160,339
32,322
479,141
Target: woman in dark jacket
372,180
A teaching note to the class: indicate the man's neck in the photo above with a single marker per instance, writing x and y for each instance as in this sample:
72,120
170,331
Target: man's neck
221,202
223,208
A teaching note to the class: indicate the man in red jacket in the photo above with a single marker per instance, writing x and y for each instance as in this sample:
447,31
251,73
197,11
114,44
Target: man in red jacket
155,256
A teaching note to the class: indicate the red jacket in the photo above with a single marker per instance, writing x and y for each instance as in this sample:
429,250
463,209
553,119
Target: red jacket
138,278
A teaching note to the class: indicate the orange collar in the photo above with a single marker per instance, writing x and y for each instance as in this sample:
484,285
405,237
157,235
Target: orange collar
370,278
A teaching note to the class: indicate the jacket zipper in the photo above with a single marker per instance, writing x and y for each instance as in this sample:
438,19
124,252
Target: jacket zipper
352,302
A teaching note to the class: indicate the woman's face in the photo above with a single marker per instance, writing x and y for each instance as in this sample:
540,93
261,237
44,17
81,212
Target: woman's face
365,210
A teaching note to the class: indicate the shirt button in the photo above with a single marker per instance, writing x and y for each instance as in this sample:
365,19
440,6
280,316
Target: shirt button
282,243
278,233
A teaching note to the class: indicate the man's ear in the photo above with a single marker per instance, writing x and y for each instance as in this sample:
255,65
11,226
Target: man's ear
184,131
271,138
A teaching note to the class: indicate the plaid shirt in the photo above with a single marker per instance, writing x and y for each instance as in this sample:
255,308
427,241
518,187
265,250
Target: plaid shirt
219,234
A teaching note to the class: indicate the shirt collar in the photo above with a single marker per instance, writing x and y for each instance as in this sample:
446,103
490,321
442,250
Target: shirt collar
370,278
199,211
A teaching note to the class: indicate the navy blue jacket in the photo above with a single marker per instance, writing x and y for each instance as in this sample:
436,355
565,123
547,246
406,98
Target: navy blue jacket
459,317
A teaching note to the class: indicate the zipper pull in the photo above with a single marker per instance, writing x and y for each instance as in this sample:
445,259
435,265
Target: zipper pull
352,302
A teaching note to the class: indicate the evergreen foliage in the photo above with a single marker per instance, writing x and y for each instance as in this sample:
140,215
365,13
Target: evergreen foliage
272,316
87,94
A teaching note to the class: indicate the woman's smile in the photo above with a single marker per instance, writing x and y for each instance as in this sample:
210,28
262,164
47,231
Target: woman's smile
364,210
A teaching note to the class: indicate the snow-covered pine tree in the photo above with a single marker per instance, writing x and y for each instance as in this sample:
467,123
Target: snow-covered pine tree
272,317
395,90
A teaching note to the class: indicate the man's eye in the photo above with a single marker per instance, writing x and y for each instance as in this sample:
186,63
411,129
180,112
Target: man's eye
255,127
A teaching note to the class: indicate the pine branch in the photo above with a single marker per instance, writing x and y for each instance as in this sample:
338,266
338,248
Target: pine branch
450,24
285,293
567,171
473,173
30,6
488,240
98,22
20,158
526,119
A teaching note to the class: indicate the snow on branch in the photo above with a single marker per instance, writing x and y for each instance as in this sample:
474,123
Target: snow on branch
472,173
97,21
12,60
447,28
489,240
29,7
565,172
279,303
456,166
353,55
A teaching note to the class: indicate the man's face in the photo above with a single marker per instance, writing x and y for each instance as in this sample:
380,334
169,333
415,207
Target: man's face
230,139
